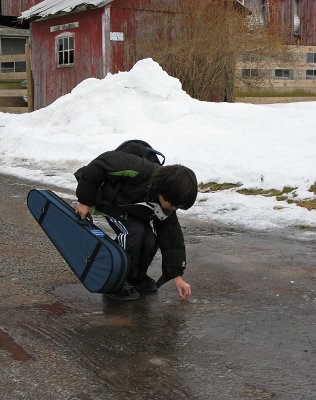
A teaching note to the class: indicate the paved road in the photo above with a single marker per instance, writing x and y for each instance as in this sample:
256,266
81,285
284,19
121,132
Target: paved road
247,332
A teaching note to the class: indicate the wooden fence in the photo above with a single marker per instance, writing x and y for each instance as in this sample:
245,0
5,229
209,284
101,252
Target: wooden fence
16,88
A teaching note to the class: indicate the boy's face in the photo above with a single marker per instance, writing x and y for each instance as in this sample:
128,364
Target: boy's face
166,204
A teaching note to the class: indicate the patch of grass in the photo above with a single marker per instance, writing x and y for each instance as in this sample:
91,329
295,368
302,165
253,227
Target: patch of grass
280,195
267,192
313,188
214,186
307,227
310,204
288,189
262,192
281,198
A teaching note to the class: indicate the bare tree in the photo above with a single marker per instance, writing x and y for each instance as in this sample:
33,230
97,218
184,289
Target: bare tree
200,42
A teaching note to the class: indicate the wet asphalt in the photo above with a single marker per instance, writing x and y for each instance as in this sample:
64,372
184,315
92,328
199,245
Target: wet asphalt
247,332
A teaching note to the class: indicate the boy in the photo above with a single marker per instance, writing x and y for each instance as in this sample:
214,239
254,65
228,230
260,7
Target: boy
139,198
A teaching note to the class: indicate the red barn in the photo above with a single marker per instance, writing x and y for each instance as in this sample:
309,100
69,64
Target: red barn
75,39
14,8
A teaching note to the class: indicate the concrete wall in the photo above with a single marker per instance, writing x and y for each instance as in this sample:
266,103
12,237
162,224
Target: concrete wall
280,89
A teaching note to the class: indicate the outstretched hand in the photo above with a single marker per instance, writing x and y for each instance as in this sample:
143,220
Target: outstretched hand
82,210
183,288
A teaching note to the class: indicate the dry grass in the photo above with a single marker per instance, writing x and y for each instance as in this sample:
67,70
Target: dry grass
287,194
280,194
310,204
214,186
313,188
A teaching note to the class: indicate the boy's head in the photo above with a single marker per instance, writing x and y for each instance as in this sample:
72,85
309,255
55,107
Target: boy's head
177,184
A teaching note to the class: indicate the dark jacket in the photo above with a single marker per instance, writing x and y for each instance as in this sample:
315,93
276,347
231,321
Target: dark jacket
115,183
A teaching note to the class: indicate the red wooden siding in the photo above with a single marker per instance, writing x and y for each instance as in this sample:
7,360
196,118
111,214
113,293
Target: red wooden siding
308,22
282,13
130,17
51,81
122,53
13,8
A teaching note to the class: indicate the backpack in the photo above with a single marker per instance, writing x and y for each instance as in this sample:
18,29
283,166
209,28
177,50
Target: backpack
141,149
138,148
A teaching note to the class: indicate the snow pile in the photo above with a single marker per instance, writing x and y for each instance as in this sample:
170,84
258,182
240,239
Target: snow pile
268,146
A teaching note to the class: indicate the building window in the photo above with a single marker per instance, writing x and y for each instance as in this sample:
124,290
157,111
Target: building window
283,74
65,48
14,66
8,47
311,74
250,73
311,57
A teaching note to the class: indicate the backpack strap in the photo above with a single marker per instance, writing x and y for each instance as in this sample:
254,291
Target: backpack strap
142,149
157,153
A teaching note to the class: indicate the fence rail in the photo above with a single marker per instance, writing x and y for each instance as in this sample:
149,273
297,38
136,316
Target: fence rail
12,58
16,91
277,92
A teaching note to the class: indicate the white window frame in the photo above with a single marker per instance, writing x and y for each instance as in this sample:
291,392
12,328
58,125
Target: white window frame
65,53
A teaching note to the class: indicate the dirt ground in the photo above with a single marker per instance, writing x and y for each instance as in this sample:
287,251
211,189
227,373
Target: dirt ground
247,332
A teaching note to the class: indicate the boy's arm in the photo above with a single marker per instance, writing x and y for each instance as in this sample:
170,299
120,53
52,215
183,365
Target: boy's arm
171,243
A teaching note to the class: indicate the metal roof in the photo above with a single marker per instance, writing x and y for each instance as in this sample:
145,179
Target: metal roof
51,7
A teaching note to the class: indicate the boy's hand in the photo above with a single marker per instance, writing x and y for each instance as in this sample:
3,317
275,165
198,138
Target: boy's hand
82,210
183,288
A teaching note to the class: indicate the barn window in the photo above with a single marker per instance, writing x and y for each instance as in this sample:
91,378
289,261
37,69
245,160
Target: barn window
65,49
10,46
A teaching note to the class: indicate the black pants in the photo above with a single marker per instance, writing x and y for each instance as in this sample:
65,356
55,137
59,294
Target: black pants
138,239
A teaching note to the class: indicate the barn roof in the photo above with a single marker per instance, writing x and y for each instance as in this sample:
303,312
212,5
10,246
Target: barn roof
51,7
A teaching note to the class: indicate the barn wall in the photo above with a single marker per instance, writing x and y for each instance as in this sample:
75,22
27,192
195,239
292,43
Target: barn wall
13,8
132,17
51,81
308,22
282,13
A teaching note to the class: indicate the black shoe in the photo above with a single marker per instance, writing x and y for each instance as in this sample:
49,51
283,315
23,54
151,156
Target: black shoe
146,285
126,292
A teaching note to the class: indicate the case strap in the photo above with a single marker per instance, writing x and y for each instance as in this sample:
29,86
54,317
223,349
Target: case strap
89,261
43,212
